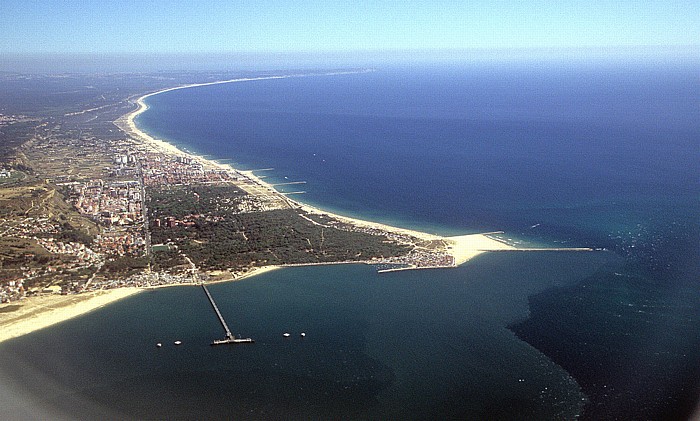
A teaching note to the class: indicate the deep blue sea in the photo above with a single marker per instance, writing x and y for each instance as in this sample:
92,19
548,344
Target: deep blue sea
604,156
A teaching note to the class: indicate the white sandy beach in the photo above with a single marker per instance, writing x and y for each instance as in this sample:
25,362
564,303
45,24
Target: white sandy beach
127,123
35,313
466,247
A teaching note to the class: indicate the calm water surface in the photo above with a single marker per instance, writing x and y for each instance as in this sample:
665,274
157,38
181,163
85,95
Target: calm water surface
417,345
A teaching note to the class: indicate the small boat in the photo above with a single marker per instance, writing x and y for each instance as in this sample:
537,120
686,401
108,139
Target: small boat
285,334
303,334
178,342
158,345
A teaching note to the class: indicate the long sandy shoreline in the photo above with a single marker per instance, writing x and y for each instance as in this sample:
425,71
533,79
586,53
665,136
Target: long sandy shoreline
132,129
36,313
464,247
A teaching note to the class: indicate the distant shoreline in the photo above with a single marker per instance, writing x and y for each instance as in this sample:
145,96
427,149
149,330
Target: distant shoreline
464,247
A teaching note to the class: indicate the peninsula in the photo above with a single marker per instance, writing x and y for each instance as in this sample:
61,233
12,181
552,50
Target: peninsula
96,213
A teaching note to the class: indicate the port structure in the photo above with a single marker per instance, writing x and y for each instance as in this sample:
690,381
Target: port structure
230,338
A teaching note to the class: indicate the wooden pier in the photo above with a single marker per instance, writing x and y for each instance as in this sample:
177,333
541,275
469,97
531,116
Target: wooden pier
230,338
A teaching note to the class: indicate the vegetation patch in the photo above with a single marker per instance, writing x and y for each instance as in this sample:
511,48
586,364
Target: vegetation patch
206,224
125,264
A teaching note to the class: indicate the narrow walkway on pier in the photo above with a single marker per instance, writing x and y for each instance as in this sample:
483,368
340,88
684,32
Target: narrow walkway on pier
547,249
229,335
230,339
288,183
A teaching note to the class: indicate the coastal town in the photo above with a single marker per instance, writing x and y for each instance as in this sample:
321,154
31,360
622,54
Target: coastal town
92,209
83,223
117,205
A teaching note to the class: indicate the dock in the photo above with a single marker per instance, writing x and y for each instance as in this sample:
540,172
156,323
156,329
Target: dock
288,183
543,249
230,338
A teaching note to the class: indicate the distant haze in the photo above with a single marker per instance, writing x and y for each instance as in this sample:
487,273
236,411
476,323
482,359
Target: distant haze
54,63
97,36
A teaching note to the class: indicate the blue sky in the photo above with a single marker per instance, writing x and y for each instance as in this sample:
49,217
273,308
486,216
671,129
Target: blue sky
103,27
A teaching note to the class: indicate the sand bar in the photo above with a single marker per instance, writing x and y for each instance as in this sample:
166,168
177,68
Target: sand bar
466,247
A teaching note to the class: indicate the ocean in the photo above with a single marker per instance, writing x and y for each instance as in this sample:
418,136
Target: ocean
602,156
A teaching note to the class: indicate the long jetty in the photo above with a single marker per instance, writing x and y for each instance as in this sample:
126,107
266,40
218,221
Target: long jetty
230,338
288,183
543,249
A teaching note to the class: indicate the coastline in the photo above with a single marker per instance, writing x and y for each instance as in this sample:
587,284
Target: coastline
437,323
127,124
36,313
461,247
39,312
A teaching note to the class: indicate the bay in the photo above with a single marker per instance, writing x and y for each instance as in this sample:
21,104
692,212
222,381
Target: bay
417,345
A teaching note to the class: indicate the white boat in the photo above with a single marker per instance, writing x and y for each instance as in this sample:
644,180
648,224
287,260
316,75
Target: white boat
158,345
178,342
303,334
285,334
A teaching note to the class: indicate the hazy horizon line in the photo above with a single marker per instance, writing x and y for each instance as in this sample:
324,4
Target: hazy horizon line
81,62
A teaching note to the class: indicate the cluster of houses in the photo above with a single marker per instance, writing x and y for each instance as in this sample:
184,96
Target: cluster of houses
159,169
118,205
85,255
11,291
114,203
